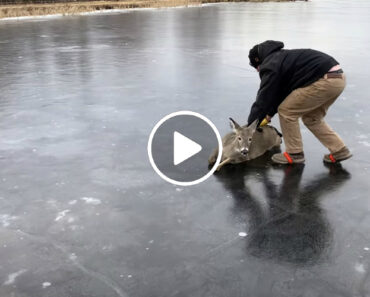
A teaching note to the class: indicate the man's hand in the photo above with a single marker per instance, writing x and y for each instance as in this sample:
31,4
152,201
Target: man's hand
265,121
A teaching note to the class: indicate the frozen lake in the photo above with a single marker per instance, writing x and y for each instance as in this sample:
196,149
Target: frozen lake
82,213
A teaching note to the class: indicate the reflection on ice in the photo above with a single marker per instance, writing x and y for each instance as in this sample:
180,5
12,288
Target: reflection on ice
292,228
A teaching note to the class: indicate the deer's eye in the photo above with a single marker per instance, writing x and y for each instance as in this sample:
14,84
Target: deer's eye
239,138
249,139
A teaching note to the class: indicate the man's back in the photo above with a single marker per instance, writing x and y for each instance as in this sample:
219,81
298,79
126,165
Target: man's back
298,67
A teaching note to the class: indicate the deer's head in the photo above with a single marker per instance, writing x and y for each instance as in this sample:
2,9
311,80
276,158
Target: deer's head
243,136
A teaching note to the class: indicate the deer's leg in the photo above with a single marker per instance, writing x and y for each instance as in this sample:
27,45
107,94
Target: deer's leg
212,159
224,162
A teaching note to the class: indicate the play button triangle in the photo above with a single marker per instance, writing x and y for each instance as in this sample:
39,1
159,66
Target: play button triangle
183,148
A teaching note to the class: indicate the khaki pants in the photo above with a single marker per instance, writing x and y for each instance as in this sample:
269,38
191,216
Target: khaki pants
311,103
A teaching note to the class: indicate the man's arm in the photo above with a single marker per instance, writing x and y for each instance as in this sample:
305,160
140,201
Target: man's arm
266,96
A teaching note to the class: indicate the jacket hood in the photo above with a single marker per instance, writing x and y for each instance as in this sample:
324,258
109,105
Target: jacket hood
260,51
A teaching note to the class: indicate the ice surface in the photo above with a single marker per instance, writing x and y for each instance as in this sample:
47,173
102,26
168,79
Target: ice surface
82,209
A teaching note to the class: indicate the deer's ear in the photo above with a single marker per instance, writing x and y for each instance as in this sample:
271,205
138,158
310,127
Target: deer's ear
253,126
234,125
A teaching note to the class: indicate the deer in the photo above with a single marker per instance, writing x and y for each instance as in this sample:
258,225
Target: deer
245,143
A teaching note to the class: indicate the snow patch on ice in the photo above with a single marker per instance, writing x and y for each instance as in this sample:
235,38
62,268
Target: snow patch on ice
11,277
366,248
91,200
61,214
45,285
5,219
32,17
360,268
71,49
73,257
242,234
72,202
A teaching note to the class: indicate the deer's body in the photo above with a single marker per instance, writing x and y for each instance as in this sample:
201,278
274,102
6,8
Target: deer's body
246,143
264,141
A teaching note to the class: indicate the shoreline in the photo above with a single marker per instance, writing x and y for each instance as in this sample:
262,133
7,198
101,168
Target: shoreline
25,11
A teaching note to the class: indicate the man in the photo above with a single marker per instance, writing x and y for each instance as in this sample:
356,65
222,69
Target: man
298,83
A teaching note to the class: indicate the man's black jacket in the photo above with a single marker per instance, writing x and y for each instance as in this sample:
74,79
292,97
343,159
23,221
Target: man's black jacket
282,71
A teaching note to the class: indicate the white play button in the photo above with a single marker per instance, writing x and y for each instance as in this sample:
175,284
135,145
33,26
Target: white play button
179,147
183,148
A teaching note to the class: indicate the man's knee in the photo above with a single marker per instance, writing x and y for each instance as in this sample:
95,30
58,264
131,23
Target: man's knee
310,121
